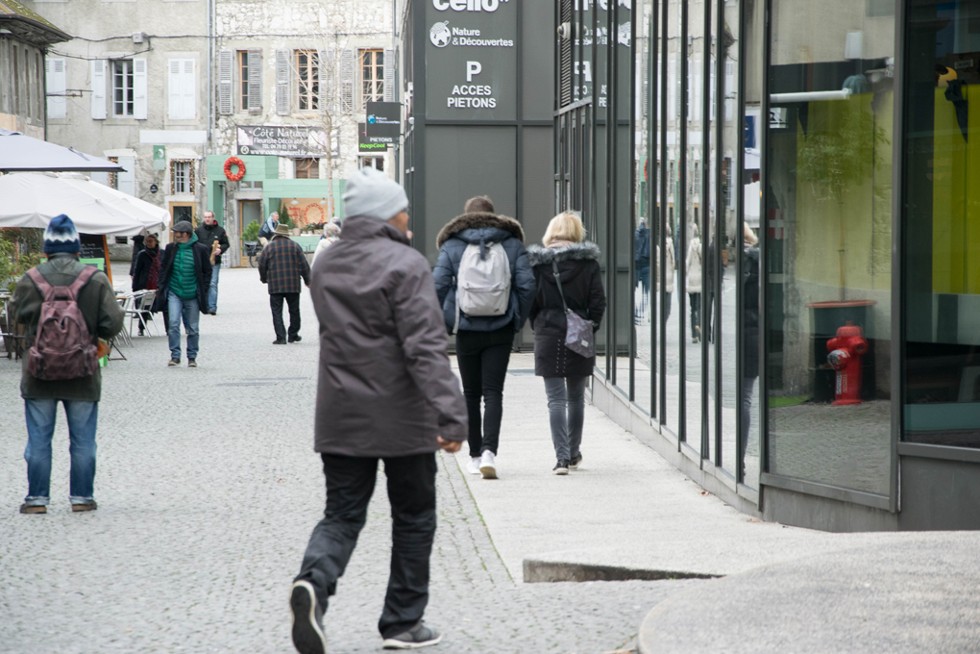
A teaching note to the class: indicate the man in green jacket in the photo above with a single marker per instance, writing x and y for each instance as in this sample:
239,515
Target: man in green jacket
185,278
103,319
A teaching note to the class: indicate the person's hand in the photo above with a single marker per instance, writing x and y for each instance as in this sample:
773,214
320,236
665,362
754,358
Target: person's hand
449,446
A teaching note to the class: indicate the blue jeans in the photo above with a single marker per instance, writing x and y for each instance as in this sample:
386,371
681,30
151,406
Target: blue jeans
213,289
566,410
83,417
190,312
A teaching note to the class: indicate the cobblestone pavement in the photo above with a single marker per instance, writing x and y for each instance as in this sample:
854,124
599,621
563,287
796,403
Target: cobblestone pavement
208,489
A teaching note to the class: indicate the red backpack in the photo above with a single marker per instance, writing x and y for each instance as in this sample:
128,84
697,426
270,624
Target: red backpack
63,346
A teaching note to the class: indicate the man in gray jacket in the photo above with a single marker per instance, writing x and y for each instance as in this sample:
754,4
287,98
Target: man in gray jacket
385,391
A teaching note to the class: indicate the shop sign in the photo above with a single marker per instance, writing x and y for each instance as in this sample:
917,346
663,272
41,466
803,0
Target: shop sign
383,122
282,140
471,59
370,144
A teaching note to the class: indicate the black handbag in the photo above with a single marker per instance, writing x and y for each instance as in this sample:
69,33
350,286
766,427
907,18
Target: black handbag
579,333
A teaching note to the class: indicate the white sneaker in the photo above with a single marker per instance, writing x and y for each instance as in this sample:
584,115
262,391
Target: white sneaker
473,467
488,465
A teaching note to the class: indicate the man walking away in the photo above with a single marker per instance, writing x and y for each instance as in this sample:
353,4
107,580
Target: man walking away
385,391
185,277
44,384
214,237
282,265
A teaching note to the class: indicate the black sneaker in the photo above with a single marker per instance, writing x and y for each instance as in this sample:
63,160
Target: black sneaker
576,460
418,636
279,341
308,635
173,362
192,363
295,339
561,468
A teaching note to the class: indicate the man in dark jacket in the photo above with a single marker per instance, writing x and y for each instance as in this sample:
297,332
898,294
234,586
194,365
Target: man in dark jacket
214,237
185,277
385,391
104,319
282,265
483,343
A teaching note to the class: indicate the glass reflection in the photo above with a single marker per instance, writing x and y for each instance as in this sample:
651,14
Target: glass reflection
828,246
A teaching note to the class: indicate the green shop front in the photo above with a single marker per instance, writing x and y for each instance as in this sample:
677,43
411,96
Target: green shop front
239,200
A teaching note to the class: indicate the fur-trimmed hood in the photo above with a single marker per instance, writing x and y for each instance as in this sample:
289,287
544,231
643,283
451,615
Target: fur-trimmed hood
583,251
471,227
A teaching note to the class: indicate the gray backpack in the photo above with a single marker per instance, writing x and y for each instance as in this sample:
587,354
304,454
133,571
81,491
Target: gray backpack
483,281
63,346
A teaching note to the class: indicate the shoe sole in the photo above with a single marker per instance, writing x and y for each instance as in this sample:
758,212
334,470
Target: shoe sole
561,471
34,509
81,508
488,472
392,643
308,638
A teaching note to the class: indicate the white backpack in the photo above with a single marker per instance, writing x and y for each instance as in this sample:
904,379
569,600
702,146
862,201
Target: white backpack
483,282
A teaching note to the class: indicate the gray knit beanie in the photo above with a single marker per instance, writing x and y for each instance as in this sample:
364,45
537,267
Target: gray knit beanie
373,194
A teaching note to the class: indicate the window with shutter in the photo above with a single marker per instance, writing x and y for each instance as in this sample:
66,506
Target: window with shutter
372,75
224,82
307,65
123,89
56,85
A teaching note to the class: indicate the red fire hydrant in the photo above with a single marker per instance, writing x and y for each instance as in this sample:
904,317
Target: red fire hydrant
846,350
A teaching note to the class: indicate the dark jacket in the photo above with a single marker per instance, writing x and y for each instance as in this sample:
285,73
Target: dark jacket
202,270
147,260
491,228
207,235
581,281
103,316
282,264
385,386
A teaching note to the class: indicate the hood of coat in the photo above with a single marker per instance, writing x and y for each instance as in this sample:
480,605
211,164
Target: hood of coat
476,226
587,250
358,228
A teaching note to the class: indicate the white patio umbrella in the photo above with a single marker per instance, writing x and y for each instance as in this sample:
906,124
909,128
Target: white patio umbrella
19,153
33,199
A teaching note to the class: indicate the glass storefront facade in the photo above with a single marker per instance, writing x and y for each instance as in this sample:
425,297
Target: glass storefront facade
780,189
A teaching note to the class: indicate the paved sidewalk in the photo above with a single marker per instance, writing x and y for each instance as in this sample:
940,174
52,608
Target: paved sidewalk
208,489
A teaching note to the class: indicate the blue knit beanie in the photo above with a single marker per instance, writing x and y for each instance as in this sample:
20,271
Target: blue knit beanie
61,236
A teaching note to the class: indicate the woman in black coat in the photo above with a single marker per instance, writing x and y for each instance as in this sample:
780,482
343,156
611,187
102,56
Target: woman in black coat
565,373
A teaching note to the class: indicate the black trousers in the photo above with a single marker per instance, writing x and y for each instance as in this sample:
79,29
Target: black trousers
412,494
292,301
483,358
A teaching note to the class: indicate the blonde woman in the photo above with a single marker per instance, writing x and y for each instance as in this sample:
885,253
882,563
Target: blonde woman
565,372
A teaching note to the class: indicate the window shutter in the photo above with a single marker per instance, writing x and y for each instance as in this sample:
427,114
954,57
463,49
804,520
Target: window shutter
225,59
323,75
255,81
180,87
139,89
282,82
56,85
389,72
126,180
98,89
347,81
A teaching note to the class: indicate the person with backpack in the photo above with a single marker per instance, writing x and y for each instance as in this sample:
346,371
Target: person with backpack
485,286
65,307
185,278
567,274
